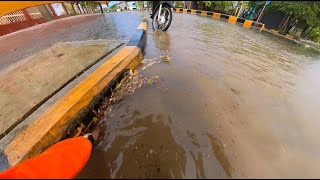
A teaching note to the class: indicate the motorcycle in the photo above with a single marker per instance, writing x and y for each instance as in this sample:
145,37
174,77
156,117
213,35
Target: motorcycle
162,15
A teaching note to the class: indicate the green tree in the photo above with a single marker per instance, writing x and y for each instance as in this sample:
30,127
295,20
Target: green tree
88,5
220,6
178,4
140,4
308,11
113,7
315,34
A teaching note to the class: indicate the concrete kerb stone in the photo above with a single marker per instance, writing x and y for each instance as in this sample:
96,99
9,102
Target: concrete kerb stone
298,42
50,127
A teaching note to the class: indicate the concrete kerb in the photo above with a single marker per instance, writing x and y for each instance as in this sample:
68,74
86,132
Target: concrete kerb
50,127
231,19
298,42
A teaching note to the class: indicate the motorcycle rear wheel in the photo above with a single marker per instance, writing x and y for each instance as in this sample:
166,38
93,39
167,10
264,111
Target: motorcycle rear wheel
168,18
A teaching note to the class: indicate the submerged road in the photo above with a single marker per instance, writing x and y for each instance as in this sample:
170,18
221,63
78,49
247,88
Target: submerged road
231,103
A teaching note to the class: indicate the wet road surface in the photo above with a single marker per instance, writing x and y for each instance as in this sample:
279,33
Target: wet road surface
111,26
231,103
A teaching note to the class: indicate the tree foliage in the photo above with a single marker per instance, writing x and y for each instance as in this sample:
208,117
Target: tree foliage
90,4
140,4
178,4
114,7
307,10
222,5
315,34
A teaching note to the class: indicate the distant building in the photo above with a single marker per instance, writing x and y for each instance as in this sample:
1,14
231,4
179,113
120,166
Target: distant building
131,5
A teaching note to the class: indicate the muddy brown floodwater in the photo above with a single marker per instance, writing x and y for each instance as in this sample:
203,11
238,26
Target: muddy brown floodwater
231,103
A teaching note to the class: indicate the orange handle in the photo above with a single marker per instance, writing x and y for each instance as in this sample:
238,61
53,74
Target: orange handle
63,160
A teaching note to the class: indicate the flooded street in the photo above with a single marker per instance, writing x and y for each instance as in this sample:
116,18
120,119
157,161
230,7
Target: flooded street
231,103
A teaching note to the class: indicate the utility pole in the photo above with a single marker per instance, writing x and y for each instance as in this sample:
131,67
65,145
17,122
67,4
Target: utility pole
101,8
267,2
241,3
261,13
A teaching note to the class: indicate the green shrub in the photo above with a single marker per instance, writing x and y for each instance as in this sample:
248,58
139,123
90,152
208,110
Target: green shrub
315,34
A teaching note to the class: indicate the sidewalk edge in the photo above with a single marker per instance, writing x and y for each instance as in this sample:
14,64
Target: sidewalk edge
50,126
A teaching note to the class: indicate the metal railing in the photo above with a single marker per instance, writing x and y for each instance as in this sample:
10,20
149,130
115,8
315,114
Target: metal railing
13,17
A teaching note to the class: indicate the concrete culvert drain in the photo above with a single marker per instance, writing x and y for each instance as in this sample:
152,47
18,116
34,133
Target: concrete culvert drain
125,84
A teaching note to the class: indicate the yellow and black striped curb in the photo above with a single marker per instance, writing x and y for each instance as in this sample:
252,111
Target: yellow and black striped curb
145,9
50,127
231,19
